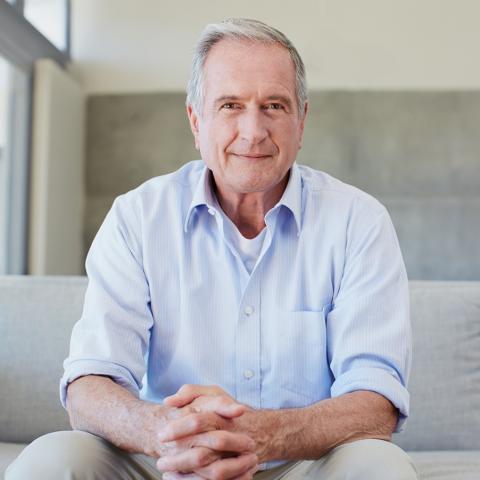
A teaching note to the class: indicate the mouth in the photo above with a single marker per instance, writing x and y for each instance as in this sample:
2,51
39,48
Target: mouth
251,156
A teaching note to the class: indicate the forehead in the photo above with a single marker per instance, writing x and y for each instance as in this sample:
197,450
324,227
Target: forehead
237,66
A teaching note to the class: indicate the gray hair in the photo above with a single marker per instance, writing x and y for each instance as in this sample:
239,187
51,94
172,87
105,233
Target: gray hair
241,29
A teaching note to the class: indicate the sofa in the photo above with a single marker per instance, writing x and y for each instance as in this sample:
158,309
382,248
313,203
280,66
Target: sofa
442,434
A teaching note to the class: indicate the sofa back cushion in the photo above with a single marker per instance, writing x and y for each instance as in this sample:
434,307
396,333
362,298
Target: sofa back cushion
37,316
445,379
36,319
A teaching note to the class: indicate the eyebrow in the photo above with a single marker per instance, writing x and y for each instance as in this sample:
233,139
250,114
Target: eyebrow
225,98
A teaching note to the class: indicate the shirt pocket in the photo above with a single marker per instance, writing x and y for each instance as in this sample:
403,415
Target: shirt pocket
302,356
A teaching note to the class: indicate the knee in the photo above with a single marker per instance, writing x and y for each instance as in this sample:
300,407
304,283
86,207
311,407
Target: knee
371,460
58,455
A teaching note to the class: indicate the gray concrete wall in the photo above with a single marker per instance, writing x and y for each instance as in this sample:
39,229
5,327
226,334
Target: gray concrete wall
418,152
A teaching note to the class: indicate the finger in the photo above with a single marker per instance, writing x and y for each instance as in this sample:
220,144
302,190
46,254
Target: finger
221,404
227,468
224,441
190,425
187,393
188,460
181,476
219,440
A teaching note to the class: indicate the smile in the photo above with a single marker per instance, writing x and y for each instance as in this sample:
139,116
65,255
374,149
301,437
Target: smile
251,156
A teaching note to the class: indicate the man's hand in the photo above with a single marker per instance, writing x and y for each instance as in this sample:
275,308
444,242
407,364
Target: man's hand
200,439
256,424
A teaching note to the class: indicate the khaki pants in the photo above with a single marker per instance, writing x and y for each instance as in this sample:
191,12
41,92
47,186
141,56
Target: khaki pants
82,456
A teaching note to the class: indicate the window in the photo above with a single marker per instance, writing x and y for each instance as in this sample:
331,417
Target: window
29,30
14,105
48,17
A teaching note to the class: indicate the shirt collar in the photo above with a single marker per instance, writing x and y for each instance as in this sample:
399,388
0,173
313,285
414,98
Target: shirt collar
291,198
203,195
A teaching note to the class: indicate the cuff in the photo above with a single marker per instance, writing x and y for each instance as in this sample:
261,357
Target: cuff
80,368
375,380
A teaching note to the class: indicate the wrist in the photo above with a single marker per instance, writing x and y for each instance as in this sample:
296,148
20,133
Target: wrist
263,427
152,418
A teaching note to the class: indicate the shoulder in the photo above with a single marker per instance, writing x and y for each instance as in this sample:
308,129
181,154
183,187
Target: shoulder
321,190
167,191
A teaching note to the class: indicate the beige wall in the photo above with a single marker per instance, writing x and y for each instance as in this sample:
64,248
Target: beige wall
146,45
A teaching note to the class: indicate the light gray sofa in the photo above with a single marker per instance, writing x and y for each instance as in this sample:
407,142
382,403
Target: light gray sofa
442,434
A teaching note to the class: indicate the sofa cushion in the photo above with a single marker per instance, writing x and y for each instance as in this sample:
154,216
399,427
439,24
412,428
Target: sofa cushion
446,465
36,317
445,378
8,453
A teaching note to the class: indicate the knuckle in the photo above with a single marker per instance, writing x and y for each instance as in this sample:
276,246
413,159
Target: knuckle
224,401
220,441
200,456
190,409
186,388
197,421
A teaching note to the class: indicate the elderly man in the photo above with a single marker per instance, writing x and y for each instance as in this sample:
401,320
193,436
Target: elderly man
243,313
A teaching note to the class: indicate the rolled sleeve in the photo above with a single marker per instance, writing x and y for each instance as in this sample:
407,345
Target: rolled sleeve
369,332
112,336
379,381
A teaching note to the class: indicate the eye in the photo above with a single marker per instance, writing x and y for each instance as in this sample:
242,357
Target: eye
230,106
274,106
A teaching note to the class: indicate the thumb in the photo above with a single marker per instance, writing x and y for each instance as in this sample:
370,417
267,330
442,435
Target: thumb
179,400
231,410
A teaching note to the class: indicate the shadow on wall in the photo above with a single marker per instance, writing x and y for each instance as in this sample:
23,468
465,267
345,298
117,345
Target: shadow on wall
417,152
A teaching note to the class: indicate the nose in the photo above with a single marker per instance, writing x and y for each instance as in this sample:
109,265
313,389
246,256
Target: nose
252,126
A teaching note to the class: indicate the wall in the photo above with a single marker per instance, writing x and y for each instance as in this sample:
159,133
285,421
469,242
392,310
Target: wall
394,105
418,152
146,45
57,196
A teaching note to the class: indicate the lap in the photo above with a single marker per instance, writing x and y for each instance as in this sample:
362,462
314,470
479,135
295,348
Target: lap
360,460
82,454
88,456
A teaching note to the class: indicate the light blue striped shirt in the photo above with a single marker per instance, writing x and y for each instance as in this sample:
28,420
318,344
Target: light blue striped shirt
324,312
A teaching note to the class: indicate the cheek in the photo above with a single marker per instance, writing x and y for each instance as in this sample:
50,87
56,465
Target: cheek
220,136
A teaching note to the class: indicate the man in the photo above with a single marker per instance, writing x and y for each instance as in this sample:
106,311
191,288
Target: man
243,313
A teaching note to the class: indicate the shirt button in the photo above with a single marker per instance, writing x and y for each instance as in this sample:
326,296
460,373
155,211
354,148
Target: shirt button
248,374
249,310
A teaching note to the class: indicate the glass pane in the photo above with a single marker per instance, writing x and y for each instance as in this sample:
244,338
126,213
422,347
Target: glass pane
4,96
49,18
14,104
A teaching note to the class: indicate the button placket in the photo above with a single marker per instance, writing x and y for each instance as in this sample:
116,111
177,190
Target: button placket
248,346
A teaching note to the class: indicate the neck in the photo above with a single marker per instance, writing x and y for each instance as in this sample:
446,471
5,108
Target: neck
247,210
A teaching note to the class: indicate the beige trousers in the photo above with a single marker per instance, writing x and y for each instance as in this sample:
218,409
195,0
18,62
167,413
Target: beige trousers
82,456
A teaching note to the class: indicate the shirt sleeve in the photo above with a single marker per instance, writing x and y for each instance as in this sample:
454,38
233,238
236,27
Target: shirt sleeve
368,327
112,336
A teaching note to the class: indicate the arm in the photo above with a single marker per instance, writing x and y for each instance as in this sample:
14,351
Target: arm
298,433
310,432
98,405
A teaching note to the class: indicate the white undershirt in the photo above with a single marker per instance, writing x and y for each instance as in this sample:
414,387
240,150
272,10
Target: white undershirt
248,249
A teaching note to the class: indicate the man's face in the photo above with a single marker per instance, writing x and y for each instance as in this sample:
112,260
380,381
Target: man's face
249,130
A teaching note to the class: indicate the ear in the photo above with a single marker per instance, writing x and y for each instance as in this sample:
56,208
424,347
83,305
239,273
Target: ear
193,120
302,125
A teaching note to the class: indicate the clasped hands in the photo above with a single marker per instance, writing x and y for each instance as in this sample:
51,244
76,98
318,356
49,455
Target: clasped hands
200,439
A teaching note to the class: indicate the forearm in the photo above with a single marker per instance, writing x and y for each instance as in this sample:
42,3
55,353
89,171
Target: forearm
310,432
98,405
